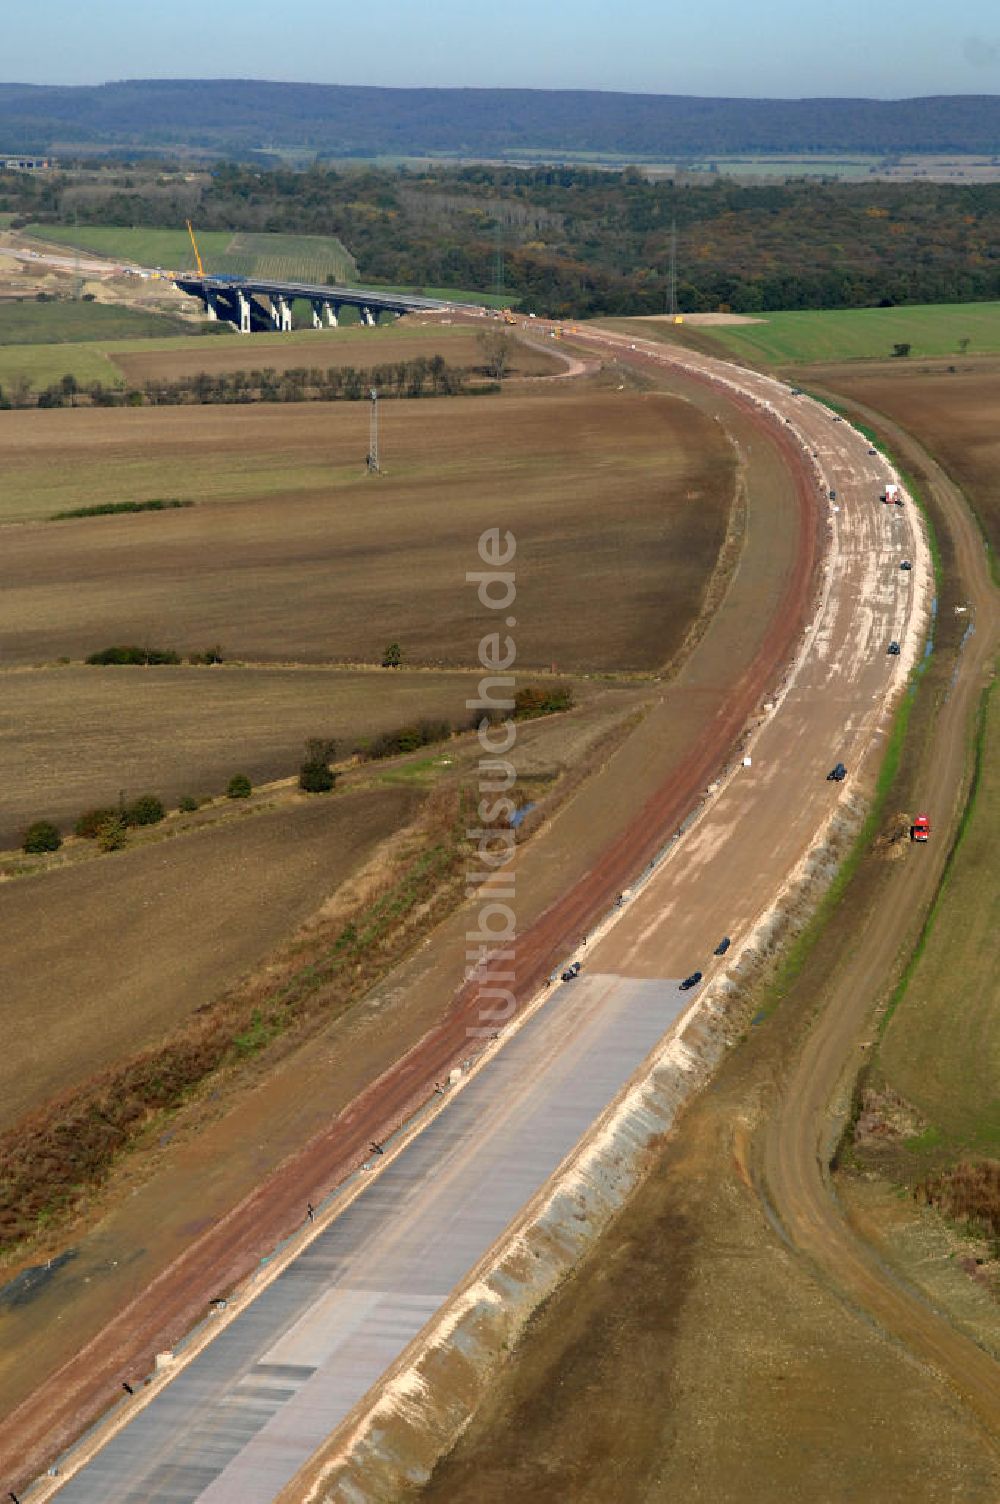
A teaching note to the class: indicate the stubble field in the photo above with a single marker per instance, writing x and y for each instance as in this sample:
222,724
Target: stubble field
619,503
354,345
76,737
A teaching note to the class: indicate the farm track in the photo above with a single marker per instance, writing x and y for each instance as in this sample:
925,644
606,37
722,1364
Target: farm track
793,1150
30,1435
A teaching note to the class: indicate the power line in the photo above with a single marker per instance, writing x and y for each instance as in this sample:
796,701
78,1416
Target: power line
672,272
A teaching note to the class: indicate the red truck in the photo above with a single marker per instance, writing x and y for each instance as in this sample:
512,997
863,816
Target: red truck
920,830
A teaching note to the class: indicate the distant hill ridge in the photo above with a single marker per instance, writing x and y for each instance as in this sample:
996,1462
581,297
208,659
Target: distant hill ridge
243,116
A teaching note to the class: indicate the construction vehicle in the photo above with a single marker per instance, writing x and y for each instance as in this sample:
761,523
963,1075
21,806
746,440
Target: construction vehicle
920,830
893,495
507,316
197,253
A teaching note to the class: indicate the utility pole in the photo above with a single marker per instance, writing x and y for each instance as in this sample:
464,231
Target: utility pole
672,272
77,270
373,464
498,266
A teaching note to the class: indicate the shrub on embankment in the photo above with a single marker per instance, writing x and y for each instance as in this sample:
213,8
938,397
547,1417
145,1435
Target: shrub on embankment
969,1193
40,837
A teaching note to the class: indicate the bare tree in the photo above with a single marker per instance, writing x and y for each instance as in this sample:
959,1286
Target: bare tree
496,348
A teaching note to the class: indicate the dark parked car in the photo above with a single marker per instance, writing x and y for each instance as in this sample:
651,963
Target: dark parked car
873,451
691,981
837,774
906,564
893,650
571,972
723,946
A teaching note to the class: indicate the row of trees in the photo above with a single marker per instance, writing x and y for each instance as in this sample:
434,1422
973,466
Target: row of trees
423,376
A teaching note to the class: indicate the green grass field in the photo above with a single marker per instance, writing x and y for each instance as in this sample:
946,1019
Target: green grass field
862,333
149,247
41,365
941,1049
31,323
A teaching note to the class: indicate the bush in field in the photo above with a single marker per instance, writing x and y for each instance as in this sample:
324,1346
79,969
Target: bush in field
315,775
146,810
540,699
405,739
112,833
239,787
134,655
210,655
187,804
316,778
41,836
393,656
90,822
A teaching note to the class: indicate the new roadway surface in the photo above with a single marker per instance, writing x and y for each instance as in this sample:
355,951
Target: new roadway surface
246,1414
241,1419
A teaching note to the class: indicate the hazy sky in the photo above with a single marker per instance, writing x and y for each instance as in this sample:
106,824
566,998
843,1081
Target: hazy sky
790,48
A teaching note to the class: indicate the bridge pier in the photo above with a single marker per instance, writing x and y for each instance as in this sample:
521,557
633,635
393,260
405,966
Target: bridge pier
281,313
332,314
367,317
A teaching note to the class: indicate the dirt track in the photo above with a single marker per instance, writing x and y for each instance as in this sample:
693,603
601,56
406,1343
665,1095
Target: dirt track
794,1148
216,1259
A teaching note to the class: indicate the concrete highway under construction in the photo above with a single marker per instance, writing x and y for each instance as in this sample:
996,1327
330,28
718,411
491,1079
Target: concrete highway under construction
366,1282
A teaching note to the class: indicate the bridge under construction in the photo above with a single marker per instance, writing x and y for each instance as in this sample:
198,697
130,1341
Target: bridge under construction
254,304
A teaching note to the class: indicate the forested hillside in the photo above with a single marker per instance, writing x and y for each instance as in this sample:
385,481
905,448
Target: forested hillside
575,241
239,115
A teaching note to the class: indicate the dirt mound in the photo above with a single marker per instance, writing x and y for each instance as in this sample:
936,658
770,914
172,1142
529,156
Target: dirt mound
885,1117
893,839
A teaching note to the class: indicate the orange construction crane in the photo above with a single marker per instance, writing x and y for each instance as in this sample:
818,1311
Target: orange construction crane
197,255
